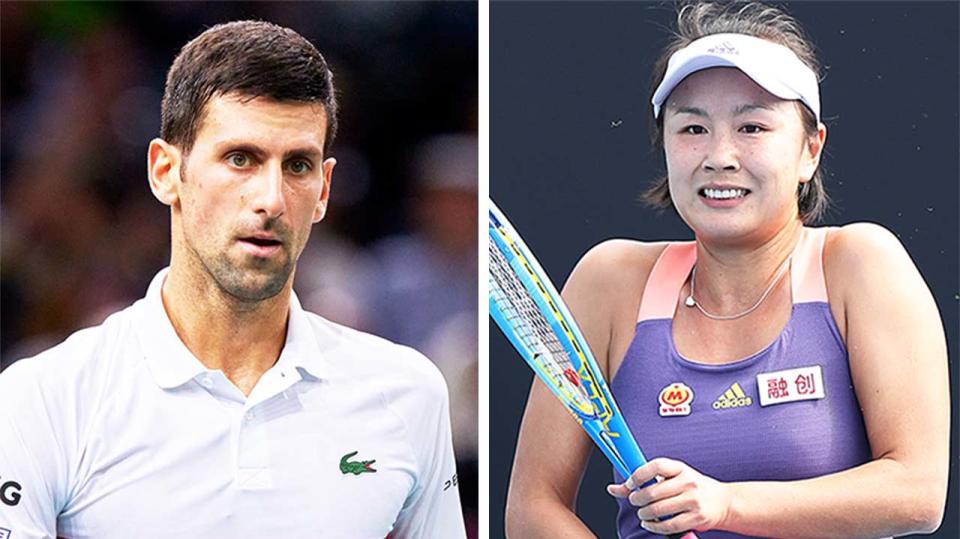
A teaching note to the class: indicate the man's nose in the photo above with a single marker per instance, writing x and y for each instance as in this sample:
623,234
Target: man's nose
268,191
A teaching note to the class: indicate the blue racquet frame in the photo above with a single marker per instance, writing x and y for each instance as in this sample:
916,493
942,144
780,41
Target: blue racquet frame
603,423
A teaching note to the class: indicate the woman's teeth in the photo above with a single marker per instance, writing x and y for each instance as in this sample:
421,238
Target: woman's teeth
721,194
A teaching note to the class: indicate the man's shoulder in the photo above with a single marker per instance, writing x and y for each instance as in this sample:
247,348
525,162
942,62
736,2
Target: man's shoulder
357,353
75,361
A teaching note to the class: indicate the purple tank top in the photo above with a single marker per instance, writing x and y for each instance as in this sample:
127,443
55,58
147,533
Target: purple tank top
785,413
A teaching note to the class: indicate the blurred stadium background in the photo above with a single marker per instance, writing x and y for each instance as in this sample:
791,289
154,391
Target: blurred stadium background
397,254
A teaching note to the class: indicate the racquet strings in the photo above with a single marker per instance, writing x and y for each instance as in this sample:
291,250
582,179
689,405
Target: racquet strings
532,328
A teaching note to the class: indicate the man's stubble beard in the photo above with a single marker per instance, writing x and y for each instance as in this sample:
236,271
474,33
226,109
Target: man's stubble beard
239,283
247,285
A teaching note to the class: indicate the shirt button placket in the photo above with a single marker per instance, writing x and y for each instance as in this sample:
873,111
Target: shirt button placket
252,472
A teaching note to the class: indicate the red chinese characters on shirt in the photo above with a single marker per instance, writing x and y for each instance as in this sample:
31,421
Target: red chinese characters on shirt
806,384
777,388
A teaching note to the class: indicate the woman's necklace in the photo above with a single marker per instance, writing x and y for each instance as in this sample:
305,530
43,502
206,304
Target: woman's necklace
692,302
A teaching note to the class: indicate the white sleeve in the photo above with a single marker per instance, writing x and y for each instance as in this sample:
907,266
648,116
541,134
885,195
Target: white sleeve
432,511
33,467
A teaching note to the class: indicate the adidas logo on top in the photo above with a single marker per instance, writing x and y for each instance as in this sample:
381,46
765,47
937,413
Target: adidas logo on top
734,397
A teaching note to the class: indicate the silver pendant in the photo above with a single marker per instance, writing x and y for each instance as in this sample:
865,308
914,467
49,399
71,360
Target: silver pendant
690,302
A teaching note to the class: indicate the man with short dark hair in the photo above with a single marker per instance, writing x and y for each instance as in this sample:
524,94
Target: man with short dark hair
216,406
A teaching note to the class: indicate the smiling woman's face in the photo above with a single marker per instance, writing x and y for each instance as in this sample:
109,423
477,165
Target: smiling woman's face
736,155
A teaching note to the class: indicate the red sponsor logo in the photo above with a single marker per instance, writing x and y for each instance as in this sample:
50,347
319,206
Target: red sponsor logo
800,384
675,400
675,395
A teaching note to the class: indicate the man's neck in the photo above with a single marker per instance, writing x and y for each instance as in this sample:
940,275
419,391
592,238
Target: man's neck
243,339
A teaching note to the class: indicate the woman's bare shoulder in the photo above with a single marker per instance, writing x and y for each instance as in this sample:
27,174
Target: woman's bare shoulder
856,237
616,264
860,258
852,248
604,290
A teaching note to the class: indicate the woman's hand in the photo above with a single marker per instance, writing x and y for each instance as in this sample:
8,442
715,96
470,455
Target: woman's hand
687,499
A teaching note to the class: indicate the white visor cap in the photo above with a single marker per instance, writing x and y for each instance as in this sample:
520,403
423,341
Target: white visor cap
774,67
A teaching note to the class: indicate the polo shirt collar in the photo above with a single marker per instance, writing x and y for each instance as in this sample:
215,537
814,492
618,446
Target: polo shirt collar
172,364
302,349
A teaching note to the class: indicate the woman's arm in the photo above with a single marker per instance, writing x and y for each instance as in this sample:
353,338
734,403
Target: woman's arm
552,449
552,452
898,361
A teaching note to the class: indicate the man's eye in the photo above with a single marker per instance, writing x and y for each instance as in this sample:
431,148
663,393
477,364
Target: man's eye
694,130
299,167
239,160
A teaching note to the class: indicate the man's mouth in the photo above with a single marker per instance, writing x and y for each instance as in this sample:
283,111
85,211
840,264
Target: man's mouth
261,246
263,242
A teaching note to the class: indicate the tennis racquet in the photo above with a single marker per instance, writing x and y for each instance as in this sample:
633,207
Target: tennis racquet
529,311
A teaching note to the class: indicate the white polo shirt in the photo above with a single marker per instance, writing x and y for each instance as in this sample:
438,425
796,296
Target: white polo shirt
121,432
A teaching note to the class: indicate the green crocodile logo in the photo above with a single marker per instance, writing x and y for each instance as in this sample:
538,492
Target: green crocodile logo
356,467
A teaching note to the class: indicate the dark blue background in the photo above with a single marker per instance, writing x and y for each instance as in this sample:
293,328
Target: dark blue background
563,74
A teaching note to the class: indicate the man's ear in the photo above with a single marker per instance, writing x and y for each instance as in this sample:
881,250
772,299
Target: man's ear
321,208
163,171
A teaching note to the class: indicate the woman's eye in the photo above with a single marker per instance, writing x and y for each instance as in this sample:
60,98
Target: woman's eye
751,129
694,130
239,160
299,167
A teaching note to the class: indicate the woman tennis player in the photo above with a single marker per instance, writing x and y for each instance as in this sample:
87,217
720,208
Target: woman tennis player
795,376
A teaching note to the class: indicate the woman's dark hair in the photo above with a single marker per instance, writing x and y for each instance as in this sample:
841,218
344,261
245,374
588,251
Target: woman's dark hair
699,19
252,58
